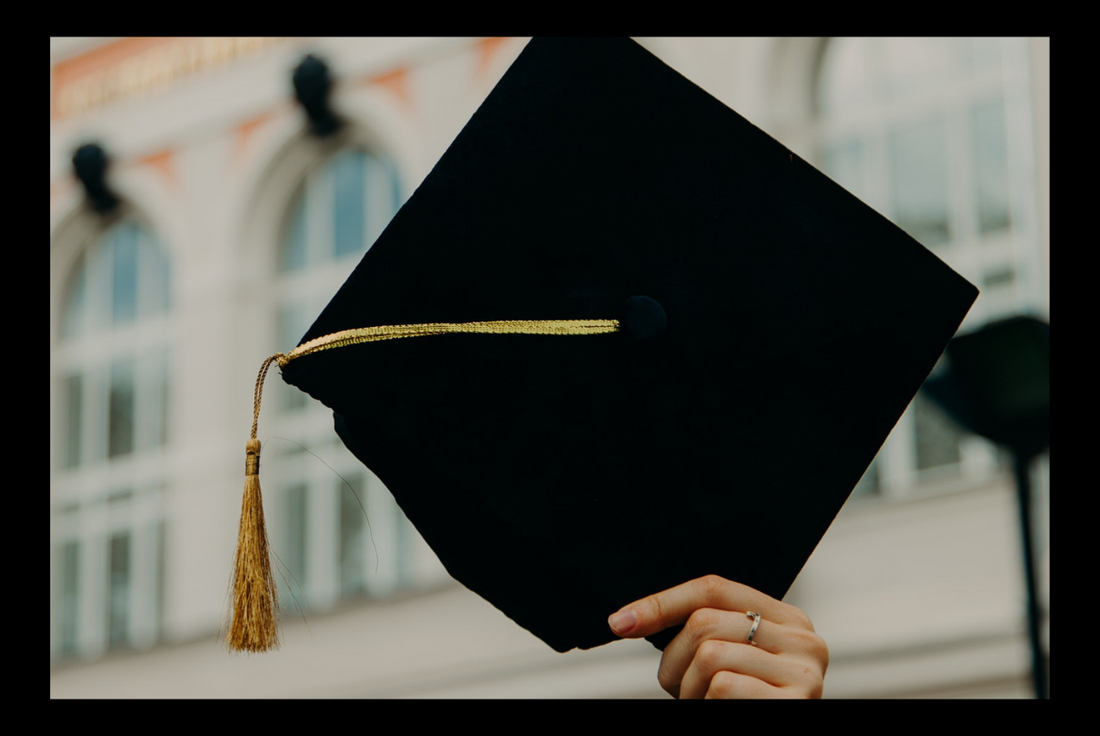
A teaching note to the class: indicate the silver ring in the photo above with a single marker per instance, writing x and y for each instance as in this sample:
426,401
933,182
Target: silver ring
755,623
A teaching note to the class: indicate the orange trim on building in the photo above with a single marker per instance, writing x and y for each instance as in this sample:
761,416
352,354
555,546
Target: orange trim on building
104,57
487,50
246,130
397,82
162,161
133,66
98,61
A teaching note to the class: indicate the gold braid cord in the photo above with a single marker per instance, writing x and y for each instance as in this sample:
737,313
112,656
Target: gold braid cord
503,327
255,605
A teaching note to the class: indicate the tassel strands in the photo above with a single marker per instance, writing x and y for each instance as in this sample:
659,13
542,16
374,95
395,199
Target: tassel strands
255,603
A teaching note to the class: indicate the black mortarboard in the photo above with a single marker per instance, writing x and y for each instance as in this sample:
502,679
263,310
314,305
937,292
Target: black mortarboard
774,328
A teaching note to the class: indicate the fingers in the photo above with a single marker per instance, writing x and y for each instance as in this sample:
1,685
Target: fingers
735,679
712,656
729,670
789,661
675,605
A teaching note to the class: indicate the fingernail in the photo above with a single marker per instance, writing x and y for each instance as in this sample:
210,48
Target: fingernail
623,621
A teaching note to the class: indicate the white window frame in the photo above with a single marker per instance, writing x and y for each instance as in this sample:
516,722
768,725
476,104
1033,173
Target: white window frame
969,252
100,497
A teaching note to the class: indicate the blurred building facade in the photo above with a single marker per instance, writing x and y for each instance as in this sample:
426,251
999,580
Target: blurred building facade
234,224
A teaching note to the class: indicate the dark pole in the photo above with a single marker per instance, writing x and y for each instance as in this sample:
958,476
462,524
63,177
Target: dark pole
997,385
1022,466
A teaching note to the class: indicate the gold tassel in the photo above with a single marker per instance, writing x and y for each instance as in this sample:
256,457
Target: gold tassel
252,625
255,601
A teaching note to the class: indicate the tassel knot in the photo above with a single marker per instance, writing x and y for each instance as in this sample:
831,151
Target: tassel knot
252,457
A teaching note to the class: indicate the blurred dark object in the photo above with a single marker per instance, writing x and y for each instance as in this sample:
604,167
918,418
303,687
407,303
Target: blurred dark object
90,164
312,84
997,385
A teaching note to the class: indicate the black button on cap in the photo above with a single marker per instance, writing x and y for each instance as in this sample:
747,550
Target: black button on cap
644,318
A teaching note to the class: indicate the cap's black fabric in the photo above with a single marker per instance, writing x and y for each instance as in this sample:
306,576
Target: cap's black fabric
775,329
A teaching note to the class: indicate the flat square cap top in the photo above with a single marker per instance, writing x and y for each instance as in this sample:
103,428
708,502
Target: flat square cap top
774,329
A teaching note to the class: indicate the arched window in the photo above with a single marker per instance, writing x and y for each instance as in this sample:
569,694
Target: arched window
335,527
935,134
111,366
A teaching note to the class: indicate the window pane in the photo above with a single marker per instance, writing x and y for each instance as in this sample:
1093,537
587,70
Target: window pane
118,598
918,181
162,572
937,434
120,430
73,391
153,402
353,530
294,249
291,323
383,193
348,184
70,563
155,271
124,274
987,138
163,401
294,556
72,317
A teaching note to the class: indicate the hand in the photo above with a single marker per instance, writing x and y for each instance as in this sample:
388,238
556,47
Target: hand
711,657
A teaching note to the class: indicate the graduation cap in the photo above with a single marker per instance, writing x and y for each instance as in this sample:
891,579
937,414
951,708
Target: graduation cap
651,343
